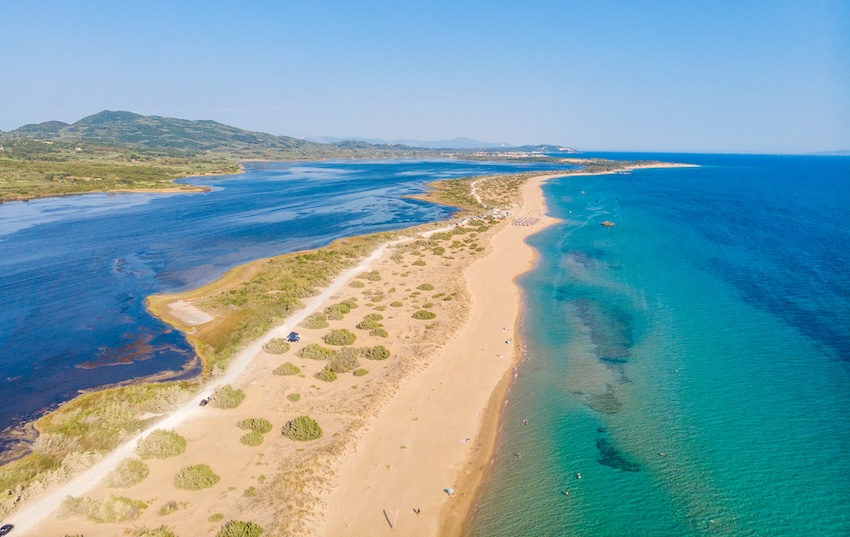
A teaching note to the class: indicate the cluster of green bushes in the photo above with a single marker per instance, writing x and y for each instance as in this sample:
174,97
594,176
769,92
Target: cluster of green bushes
424,315
339,338
378,352
257,427
287,369
370,322
238,528
302,429
336,312
161,444
227,397
195,477
129,472
372,276
276,345
109,510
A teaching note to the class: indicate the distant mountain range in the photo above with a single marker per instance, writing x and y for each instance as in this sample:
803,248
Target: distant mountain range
127,129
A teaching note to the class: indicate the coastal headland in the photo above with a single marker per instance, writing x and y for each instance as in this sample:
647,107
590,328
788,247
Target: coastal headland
404,359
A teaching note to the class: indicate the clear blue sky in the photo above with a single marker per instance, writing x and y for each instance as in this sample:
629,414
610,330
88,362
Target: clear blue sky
708,76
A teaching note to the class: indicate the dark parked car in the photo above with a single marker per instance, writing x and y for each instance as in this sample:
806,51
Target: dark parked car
205,401
6,528
293,337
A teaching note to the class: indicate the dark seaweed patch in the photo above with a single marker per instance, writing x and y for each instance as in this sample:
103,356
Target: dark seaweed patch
605,402
610,456
610,330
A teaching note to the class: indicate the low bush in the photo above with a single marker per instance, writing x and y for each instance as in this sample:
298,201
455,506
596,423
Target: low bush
109,510
378,352
250,492
418,263
314,351
428,305
423,315
294,397
326,375
344,361
356,284
287,369
360,372
227,397
372,276
129,472
168,508
426,287
252,439
439,250
396,304
339,338
238,528
379,332
302,429
276,345
161,444
215,517
259,425
367,324
196,477
161,531
315,321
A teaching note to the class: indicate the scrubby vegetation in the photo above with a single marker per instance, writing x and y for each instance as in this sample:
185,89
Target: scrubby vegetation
216,517
251,439
360,372
357,284
419,263
161,444
161,531
302,429
396,304
372,276
287,369
339,337
344,360
326,375
129,472
294,397
426,287
227,397
315,321
259,425
238,528
336,312
380,332
424,315
276,345
195,477
110,509
378,352
314,351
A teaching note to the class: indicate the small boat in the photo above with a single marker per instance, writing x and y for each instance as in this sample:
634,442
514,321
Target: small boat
608,223
578,475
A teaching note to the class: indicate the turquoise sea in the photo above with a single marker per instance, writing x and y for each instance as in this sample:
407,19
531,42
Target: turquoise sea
692,363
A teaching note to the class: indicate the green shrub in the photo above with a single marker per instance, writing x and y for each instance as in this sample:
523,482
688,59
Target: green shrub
373,317
379,332
227,397
258,425
276,345
287,369
423,315
372,276
252,439
441,236
439,250
315,321
314,351
344,361
396,304
367,324
339,337
360,372
378,352
168,508
161,444
196,477
111,509
356,284
379,308
326,375
238,528
216,517
426,287
129,472
419,263
250,492
336,312
161,531
428,305
302,429
294,397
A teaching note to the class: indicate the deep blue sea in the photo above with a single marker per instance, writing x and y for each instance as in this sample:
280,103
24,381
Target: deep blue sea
75,271
692,363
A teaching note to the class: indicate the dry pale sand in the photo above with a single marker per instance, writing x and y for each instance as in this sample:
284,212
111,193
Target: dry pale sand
438,431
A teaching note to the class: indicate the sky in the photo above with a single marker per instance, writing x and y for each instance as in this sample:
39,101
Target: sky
735,76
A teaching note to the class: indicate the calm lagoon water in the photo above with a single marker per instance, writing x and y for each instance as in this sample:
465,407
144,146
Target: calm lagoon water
75,271
691,363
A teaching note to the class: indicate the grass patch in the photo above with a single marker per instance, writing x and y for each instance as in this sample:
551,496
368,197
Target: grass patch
129,472
326,375
314,351
109,510
378,352
418,263
428,305
372,276
287,369
302,429
238,528
216,517
344,361
379,332
161,444
195,477
276,345
424,315
426,287
357,284
161,531
360,372
315,321
168,508
227,397
294,397
250,492
396,304
336,312
252,439
339,337
259,425
367,324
